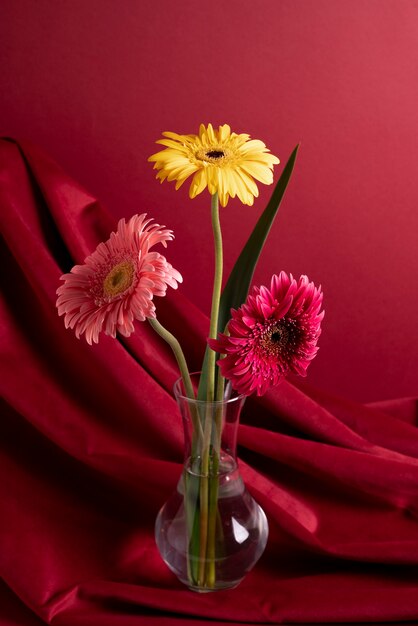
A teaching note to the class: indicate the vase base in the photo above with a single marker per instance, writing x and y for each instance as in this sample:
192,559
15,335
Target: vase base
219,587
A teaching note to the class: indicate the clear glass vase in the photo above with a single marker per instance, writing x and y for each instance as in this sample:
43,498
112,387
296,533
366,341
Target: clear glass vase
211,531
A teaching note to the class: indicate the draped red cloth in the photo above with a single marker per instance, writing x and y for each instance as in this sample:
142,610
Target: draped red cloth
92,447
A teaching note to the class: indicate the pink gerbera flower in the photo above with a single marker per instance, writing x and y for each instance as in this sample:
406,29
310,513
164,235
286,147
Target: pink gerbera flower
117,283
274,333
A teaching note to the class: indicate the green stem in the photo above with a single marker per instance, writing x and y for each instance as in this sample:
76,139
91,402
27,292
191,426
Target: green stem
178,353
213,492
216,294
190,489
184,371
212,515
220,383
214,484
206,503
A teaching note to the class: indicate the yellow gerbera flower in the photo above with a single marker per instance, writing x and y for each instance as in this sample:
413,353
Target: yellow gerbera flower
222,161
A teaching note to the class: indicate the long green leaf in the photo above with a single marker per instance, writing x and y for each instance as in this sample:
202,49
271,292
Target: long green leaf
238,285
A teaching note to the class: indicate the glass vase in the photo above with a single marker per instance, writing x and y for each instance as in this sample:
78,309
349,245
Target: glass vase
211,531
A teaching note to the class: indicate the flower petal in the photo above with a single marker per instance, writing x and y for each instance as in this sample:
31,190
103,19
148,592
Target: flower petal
226,163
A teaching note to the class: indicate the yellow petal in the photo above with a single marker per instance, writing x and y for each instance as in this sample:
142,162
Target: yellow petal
224,132
184,175
198,183
211,134
222,187
230,182
177,137
170,143
248,182
242,191
253,145
258,171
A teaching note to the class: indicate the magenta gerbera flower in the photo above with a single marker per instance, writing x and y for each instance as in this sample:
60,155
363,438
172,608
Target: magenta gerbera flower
273,334
118,282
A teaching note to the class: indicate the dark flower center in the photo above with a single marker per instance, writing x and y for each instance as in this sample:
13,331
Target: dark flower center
279,340
215,154
277,337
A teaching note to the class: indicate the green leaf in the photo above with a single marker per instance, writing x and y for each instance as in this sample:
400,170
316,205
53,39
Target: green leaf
238,285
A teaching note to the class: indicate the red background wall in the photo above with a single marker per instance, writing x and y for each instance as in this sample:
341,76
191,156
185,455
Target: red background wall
95,82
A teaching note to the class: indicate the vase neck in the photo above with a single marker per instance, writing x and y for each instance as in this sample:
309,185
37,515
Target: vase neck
210,433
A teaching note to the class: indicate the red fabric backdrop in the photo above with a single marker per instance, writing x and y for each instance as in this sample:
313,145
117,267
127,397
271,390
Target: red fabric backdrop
95,82
91,448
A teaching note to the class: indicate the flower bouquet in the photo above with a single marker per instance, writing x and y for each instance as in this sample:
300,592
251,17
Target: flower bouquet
211,532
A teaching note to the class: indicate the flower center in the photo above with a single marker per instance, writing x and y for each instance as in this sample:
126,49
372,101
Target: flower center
119,279
217,154
277,338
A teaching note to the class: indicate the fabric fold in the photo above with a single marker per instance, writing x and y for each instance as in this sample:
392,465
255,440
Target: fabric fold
91,446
